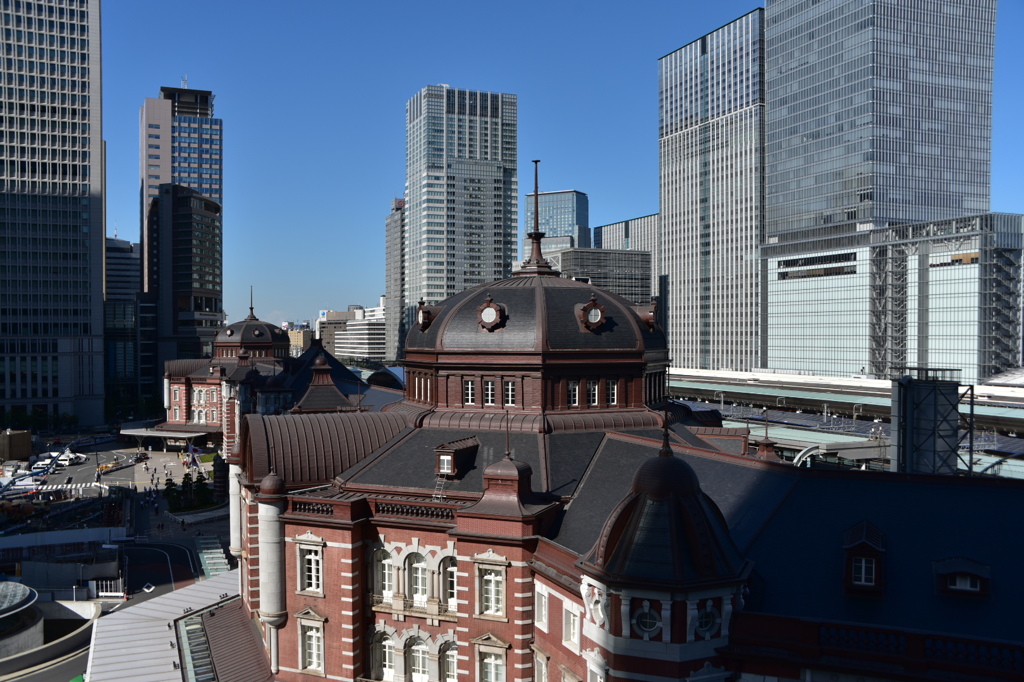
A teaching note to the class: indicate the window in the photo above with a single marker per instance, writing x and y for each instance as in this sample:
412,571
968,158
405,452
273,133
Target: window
963,582
591,393
384,658
492,591
468,392
177,414
613,392
449,583
383,576
540,609
540,667
594,676
492,667
176,394
574,393
510,393
312,646
488,392
571,629
213,415
444,464
418,661
310,569
450,661
417,568
863,571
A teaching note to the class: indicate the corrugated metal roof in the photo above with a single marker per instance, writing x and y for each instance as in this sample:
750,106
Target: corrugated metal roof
139,643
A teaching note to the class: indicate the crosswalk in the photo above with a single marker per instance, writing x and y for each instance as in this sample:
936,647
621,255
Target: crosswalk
69,486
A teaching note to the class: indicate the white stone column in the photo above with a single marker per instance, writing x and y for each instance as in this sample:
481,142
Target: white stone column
272,573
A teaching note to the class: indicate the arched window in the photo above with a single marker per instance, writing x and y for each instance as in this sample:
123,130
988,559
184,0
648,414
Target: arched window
450,664
416,567
201,417
383,658
449,584
417,657
383,576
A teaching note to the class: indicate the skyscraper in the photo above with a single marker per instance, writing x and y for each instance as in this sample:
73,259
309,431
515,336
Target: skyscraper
394,281
121,327
51,213
711,138
564,219
181,186
879,115
461,193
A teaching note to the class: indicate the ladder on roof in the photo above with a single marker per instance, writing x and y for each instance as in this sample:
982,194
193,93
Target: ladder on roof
439,488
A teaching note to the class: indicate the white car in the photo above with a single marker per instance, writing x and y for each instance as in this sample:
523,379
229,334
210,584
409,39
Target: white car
68,458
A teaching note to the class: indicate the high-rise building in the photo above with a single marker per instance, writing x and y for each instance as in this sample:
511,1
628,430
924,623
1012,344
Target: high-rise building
461,195
51,213
181,142
636,234
364,336
623,272
395,327
711,140
564,218
879,115
185,284
180,178
123,285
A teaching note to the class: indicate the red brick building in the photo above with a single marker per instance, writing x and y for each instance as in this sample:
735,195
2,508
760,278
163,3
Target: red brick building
524,515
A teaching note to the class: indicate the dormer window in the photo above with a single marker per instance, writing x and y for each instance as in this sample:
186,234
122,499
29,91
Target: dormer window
445,465
864,547
960,576
963,582
863,571
453,459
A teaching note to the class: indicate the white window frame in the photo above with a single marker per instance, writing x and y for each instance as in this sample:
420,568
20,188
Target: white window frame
510,392
450,582
963,582
176,395
571,626
383,575
574,393
418,661
450,661
386,657
541,600
468,392
311,645
311,567
540,667
592,392
177,414
418,579
864,571
488,391
492,667
612,387
445,464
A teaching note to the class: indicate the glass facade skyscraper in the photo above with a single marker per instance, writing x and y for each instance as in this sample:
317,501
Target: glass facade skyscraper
561,214
461,193
711,136
51,213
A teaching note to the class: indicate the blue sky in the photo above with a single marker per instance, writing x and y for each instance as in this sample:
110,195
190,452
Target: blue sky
313,96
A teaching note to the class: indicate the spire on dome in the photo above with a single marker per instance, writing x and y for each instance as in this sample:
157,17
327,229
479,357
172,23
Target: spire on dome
536,264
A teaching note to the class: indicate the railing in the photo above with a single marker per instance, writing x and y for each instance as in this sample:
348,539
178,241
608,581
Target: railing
318,508
416,511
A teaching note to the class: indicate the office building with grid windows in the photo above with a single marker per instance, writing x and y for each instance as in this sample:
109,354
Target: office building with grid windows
461,195
51,213
711,141
564,218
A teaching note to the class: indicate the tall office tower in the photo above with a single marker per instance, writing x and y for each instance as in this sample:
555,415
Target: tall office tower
461,192
182,143
564,219
185,284
636,234
121,329
180,146
394,281
878,114
51,213
711,138
624,272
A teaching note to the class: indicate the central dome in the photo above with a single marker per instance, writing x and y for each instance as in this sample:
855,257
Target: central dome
536,313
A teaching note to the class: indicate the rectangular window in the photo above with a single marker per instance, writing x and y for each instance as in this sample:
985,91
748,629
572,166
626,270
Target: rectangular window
571,629
863,570
510,393
155,126
488,392
540,609
469,392
176,394
418,582
312,646
444,464
613,392
177,414
964,582
492,592
492,668
451,664
591,393
309,569
540,668
574,393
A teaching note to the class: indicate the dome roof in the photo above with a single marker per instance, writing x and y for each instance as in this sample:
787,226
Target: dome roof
533,312
666,531
252,331
272,485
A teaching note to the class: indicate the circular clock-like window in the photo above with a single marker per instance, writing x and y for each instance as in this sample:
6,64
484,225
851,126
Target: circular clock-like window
707,621
488,315
647,621
594,315
419,316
